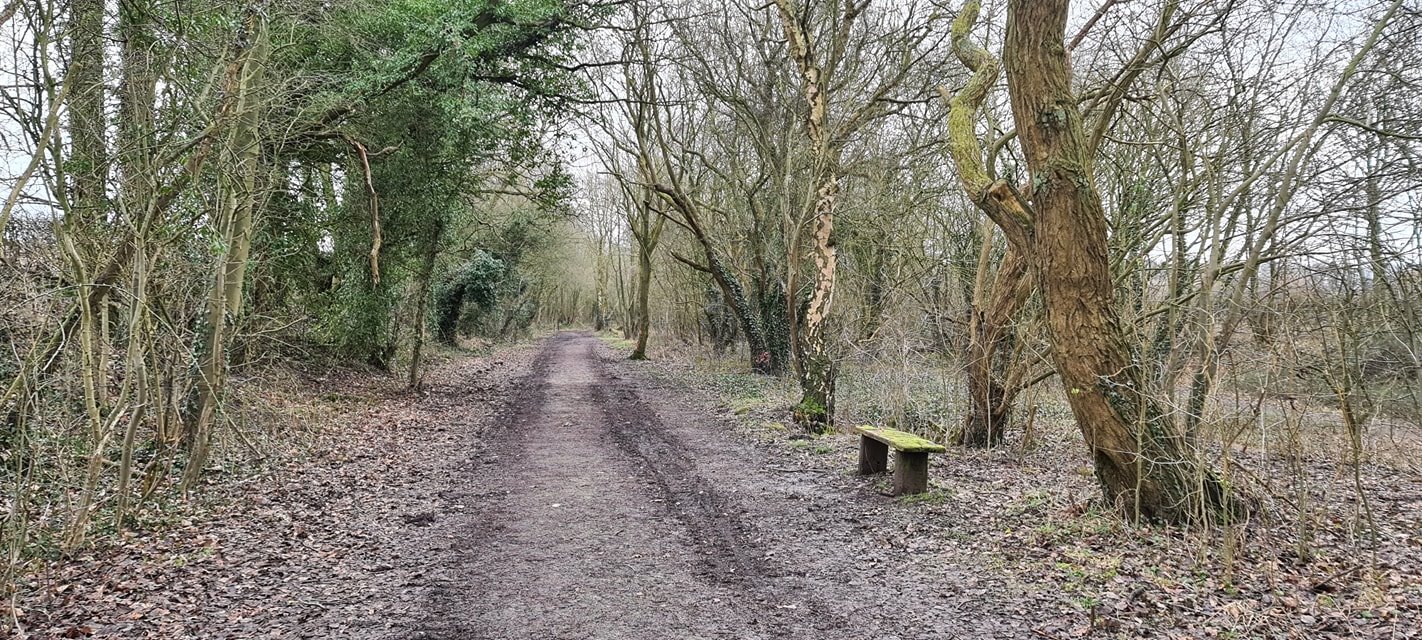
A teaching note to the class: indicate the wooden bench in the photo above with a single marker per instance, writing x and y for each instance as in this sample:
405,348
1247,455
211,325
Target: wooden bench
910,457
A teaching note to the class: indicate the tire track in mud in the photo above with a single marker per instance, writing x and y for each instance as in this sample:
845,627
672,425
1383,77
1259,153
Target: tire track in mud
728,550
565,494
571,535
597,504
729,555
446,597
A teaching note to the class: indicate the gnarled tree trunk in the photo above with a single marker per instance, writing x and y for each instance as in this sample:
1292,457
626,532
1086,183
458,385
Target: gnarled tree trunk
988,354
1142,461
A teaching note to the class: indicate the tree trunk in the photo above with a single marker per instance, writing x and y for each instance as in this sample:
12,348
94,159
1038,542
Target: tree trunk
876,294
815,412
989,354
735,297
422,305
87,124
1141,460
235,219
600,284
643,314
86,210
774,325
136,108
624,306
770,297
135,127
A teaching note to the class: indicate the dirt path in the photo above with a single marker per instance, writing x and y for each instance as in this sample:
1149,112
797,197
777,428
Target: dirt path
554,491
557,491
604,507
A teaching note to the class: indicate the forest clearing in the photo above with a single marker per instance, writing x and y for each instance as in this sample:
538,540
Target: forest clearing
711,319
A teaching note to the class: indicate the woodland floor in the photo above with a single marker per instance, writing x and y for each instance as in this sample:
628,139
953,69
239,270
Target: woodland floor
555,490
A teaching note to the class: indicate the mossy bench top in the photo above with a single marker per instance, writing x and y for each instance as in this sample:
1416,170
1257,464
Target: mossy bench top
901,440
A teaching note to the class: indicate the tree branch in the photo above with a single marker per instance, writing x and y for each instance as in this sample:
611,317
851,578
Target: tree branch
690,263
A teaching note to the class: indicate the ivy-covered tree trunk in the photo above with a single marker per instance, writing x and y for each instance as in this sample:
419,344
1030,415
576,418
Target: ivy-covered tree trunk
769,285
423,291
88,160
876,293
234,219
735,297
1143,463
718,321
774,324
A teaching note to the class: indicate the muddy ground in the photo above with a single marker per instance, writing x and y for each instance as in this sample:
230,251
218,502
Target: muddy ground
605,506
556,490
549,492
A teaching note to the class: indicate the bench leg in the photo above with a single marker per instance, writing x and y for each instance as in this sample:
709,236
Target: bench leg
873,456
910,473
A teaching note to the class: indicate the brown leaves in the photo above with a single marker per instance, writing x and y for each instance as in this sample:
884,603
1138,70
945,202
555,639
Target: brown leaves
1064,567
278,551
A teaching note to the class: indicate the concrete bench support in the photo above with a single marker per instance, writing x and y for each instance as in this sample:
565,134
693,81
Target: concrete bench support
910,472
910,457
873,456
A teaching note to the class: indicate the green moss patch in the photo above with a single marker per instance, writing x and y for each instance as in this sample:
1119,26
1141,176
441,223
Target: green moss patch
901,440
